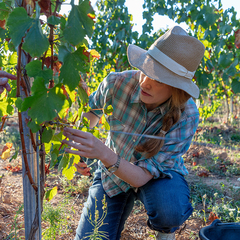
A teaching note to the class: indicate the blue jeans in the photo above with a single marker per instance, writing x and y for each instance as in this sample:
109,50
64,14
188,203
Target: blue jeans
166,202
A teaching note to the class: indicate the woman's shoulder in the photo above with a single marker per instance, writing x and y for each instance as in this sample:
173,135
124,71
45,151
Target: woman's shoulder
126,80
191,109
125,75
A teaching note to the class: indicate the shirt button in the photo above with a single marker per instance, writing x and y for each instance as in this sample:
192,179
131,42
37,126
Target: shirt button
134,140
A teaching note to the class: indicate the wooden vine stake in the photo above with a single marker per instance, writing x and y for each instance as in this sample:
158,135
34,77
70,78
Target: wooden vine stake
29,157
29,160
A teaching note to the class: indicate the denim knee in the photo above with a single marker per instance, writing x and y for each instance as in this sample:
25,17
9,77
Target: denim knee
168,219
167,202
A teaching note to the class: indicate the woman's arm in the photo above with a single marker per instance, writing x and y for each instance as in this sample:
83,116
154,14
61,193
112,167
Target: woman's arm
92,117
89,146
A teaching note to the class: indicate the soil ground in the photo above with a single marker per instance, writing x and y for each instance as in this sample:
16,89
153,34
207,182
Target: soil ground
200,161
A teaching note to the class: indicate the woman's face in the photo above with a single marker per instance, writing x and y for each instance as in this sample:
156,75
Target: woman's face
153,93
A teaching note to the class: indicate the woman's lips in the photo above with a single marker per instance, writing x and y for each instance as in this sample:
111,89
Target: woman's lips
144,93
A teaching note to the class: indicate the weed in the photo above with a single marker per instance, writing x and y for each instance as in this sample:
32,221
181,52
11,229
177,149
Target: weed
72,187
224,209
10,134
15,226
152,235
97,222
235,137
56,218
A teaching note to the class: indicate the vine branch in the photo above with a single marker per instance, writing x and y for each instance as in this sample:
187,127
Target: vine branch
24,152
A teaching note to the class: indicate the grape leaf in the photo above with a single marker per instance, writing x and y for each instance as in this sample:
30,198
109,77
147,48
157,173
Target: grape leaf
18,22
5,108
64,162
84,8
34,69
55,142
73,63
63,112
51,193
18,103
69,169
53,20
35,42
62,52
83,95
236,86
45,103
47,135
78,24
33,126
2,34
4,10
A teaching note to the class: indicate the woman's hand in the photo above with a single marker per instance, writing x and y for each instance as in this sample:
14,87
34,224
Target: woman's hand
4,76
82,168
85,143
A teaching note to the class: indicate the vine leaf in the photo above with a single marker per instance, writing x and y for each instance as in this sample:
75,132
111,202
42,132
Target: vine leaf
78,24
51,193
2,33
83,95
5,107
68,166
4,10
45,103
35,42
47,135
73,63
84,9
54,143
74,32
18,22
236,86
33,126
64,110
53,20
34,69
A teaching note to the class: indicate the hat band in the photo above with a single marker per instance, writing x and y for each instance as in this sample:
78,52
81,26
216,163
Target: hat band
169,63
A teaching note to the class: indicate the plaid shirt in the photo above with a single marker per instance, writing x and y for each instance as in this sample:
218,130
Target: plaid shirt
122,90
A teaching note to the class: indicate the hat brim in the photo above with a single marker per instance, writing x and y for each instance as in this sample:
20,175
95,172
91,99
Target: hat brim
140,59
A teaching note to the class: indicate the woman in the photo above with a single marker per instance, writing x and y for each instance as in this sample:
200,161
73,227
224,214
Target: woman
154,119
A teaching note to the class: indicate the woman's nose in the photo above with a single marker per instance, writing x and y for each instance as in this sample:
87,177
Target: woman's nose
146,82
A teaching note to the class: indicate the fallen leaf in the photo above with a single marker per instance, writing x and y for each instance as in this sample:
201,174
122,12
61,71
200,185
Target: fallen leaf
203,173
6,154
212,217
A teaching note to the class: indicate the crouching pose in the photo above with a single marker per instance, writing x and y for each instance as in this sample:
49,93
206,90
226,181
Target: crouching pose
153,122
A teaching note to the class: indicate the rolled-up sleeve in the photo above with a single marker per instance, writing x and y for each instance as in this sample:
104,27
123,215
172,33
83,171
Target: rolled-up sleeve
102,97
178,141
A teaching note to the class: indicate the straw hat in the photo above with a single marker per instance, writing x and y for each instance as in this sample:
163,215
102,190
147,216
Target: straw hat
172,59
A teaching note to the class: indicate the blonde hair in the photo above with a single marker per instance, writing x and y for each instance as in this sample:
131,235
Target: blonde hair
176,107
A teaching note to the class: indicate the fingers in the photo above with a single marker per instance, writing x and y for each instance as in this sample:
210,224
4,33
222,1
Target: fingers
76,132
4,84
3,81
75,141
4,74
79,153
83,169
7,86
